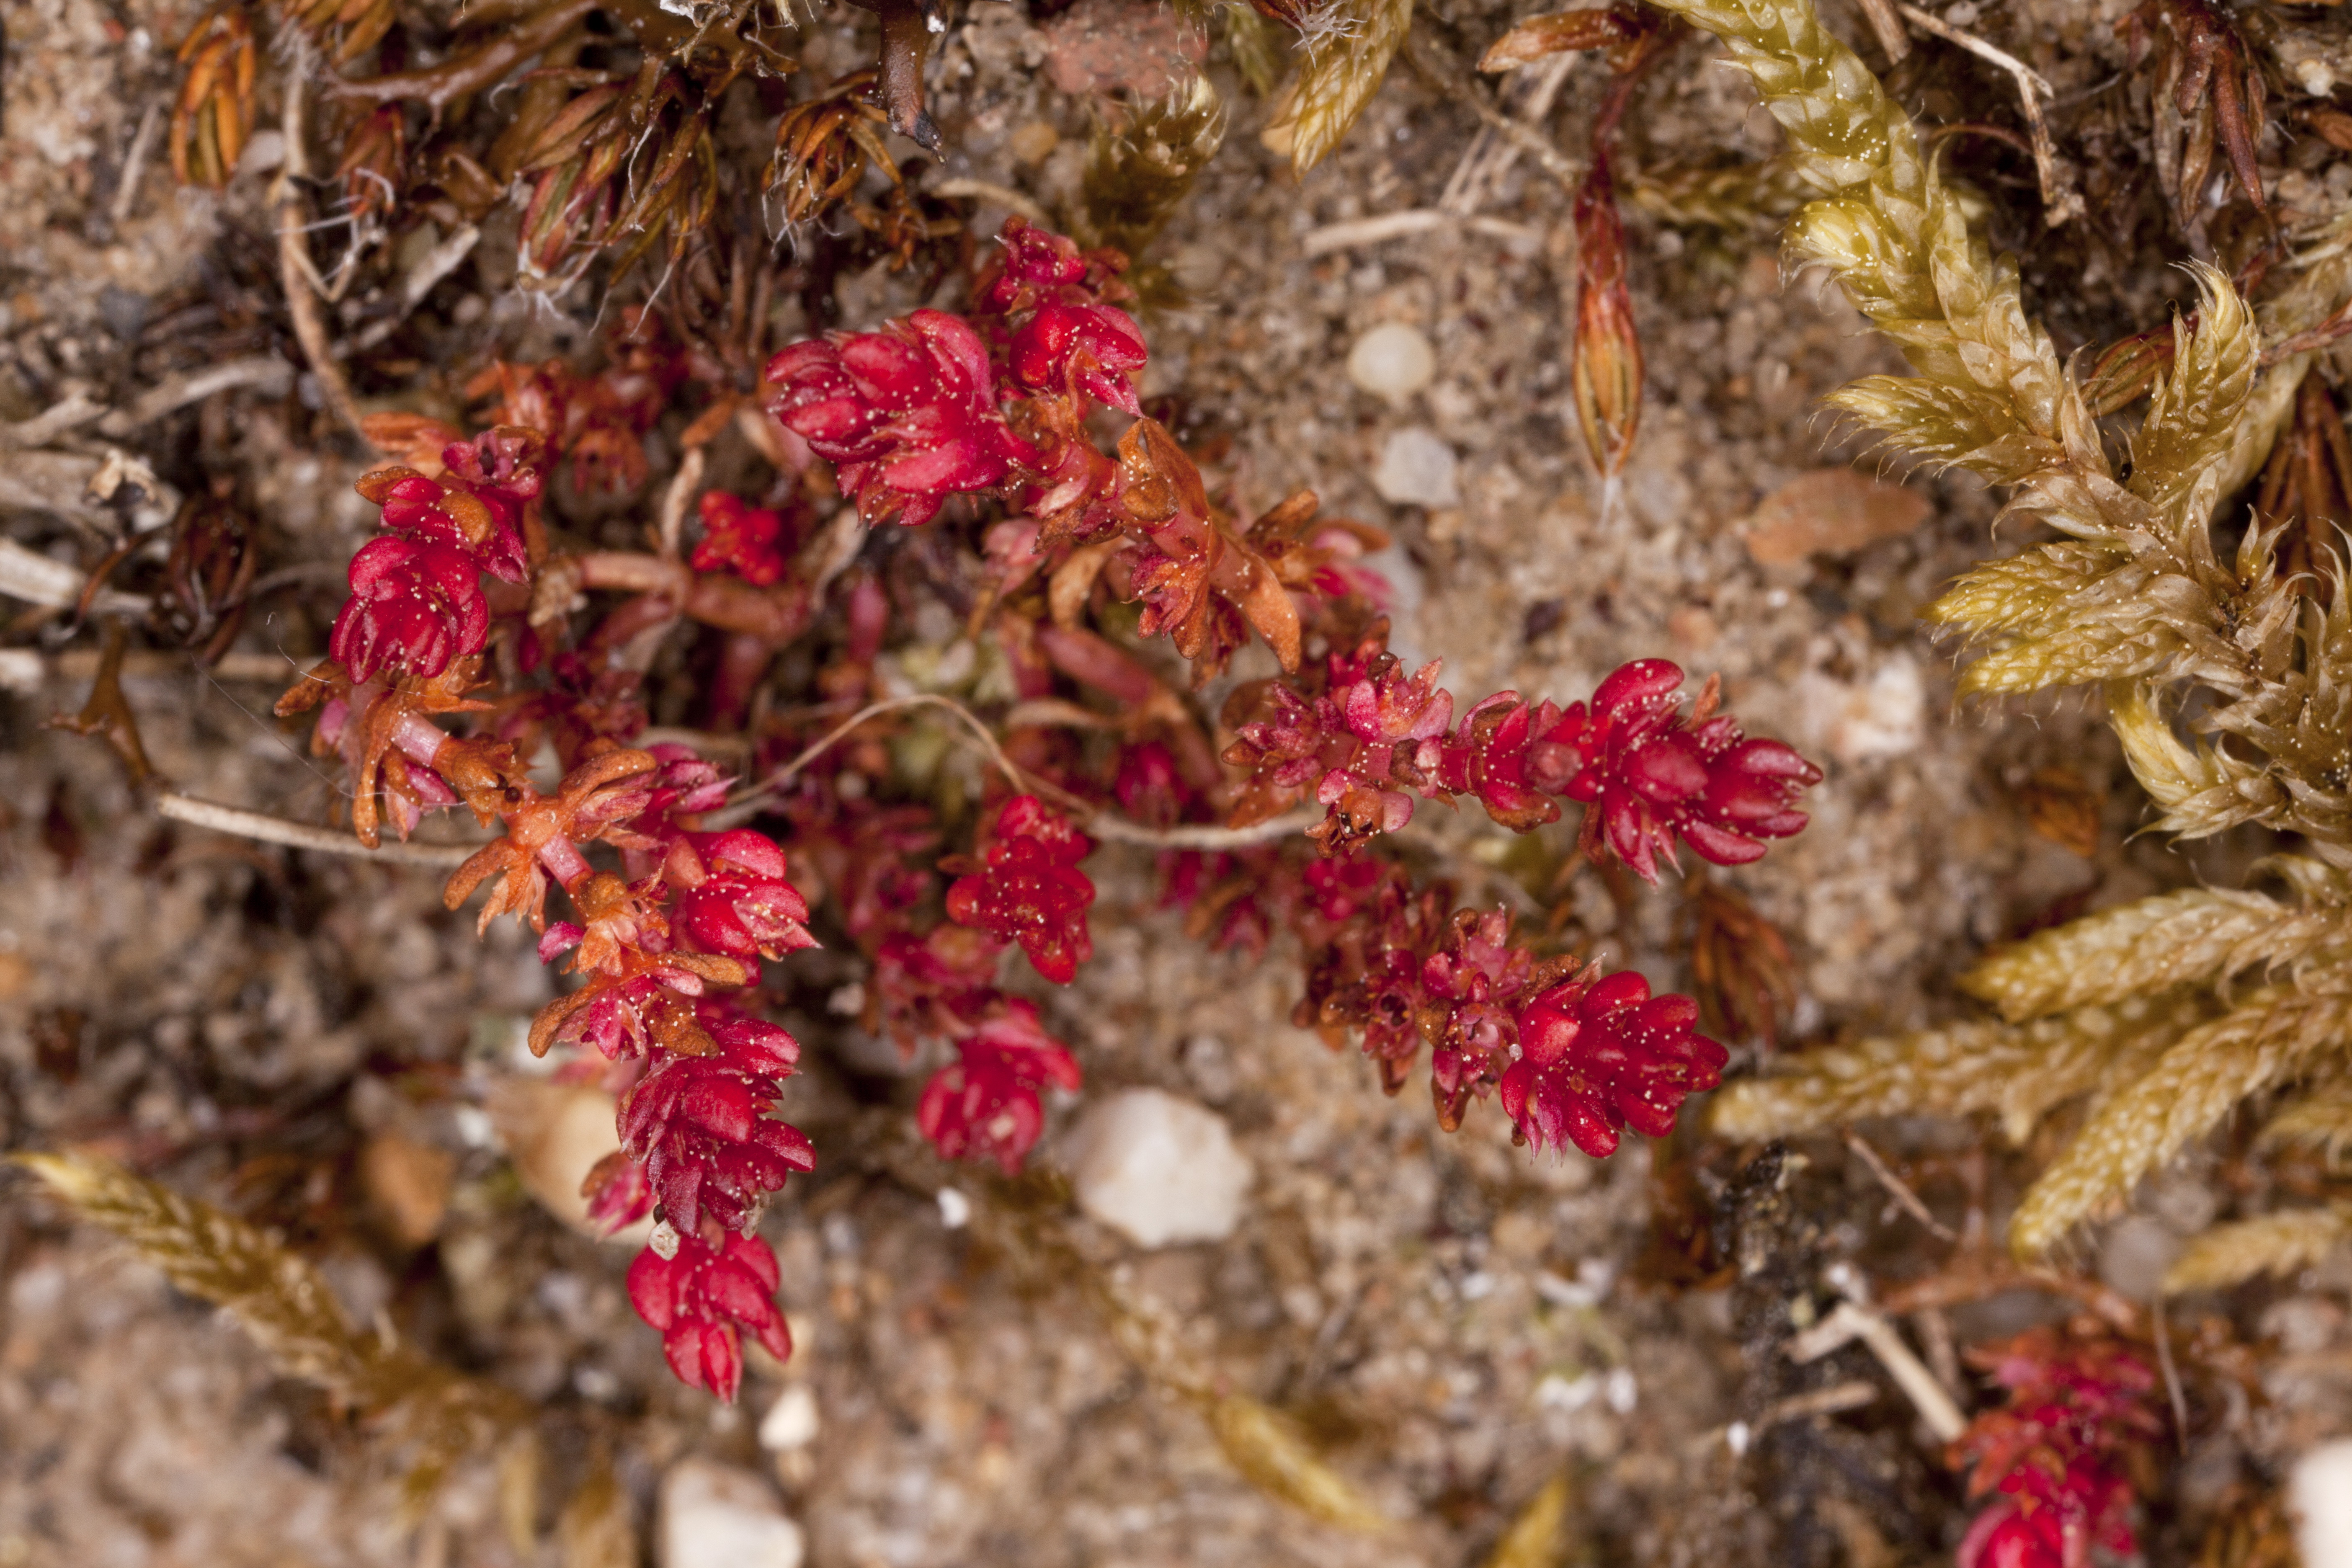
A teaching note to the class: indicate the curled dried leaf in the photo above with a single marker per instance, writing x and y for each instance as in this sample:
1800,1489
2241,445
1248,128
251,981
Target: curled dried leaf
1741,968
2063,808
1616,29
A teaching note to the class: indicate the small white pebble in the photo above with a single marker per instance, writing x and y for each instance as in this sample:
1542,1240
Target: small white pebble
714,1516
2320,1493
1620,1391
791,1421
1736,1437
1417,469
955,1209
1392,360
1158,1169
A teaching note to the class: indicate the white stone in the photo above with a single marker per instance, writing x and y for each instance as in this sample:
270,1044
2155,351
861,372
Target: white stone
1392,360
1158,1169
716,1516
791,1421
1417,469
2320,1493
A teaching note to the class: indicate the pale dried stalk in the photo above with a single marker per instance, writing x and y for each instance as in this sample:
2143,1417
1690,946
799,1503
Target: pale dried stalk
302,836
1384,226
286,1305
1897,1188
1527,98
1103,825
2060,200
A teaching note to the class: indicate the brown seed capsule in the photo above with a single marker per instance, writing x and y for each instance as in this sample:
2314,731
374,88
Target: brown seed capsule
1608,372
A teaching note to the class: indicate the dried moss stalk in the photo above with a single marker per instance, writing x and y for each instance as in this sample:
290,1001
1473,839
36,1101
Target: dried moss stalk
1717,196
2285,1243
2275,1035
2134,595
2019,1072
282,1301
2197,935
2321,1120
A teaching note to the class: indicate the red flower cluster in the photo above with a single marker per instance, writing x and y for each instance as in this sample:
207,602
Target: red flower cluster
1573,1056
1375,733
698,1135
701,1298
740,538
2077,1406
416,598
1597,1055
699,1125
924,408
1030,889
1047,304
1655,775
670,922
986,1105
909,414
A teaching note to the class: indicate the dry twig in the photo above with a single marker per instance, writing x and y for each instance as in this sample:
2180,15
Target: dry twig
297,274
1897,1187
269,829
2060,200
1375,230
1849,1322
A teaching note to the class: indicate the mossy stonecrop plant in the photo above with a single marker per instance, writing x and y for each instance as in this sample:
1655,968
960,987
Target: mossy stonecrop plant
2173,1010
975,424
